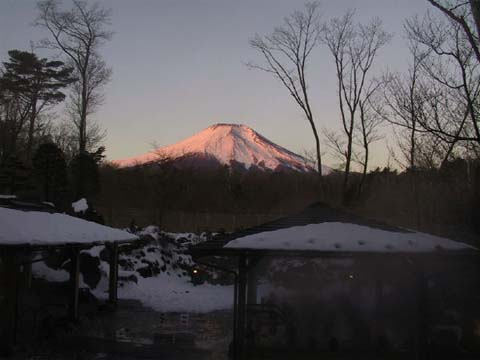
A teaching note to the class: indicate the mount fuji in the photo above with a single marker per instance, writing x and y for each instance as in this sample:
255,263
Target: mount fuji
233,145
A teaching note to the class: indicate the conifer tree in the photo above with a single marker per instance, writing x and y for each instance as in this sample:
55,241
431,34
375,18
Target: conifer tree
37,83
14,176
50,171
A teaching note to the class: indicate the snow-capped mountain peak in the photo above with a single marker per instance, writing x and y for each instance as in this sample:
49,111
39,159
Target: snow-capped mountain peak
228,144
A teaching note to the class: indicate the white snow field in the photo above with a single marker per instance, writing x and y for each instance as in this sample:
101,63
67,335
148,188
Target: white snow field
227,143
42,228
170,293
346,237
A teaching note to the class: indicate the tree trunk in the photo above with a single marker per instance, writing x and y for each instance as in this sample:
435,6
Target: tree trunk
412,147
82,143
31,130
348,158
317,146
475,5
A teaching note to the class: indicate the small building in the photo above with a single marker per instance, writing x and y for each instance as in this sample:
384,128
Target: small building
325,281
28,232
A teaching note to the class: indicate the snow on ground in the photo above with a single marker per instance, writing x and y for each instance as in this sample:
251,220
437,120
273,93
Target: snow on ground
338,237
170,293
80,206
43,228
157,274
41,270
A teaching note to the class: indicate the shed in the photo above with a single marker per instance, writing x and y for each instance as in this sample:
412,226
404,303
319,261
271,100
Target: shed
27,229
321,232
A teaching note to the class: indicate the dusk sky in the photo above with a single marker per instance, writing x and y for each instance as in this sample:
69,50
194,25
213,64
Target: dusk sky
179,67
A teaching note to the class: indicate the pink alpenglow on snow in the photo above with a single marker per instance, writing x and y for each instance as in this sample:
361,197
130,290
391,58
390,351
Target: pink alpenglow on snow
42,228
228,143
345,237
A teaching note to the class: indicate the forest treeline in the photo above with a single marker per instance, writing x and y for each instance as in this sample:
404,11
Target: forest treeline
442,201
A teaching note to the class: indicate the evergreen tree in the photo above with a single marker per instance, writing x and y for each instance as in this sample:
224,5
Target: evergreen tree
37,83
85,174
50,170
14,176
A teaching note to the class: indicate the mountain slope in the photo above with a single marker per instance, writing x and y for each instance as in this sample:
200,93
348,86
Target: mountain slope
227,144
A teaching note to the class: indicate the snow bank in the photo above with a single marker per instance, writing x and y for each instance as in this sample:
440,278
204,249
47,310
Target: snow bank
42,228
338,237
159,275
41,270
170,293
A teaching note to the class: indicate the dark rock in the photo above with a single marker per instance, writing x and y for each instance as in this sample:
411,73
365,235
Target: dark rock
90,269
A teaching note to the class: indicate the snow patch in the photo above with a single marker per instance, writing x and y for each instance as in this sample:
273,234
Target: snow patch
7,197
41,270
166,293
80,206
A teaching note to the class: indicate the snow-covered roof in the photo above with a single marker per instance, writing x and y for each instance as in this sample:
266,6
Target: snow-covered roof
19,227
345,237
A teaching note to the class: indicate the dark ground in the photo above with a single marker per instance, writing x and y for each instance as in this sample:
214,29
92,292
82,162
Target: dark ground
133,331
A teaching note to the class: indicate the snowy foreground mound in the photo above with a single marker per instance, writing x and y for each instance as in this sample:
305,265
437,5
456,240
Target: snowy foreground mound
158,274
227,144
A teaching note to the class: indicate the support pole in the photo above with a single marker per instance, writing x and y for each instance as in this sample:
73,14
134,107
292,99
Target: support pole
379,329
252,282
9,304
422,316
113,275
74,284
241,306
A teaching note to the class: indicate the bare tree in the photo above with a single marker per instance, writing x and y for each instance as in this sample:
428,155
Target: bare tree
286,53
368,126
79,33
466,14
453,72
337,145
354,49
402,104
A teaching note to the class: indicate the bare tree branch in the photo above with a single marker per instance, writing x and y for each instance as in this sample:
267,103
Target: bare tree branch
286,53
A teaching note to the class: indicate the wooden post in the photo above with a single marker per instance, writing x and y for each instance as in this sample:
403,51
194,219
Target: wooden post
9,306
113,274
422,315
235,318
241,306
74,283
379,329
252,282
